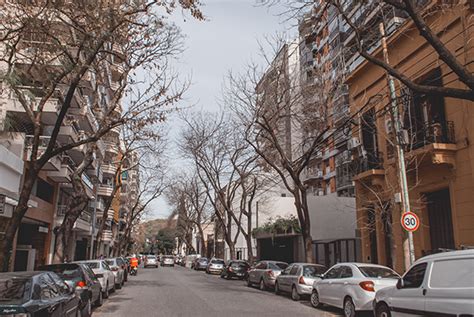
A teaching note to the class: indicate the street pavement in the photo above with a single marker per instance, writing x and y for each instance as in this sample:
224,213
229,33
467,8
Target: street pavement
178,291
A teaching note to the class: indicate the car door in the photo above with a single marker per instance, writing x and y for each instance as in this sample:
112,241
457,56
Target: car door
258,272
292,277
92,281
325,286
339,288
283,279
50,296
408,298
69,300
109,274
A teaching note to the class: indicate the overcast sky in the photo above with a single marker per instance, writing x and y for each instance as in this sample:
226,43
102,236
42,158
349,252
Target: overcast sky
227,40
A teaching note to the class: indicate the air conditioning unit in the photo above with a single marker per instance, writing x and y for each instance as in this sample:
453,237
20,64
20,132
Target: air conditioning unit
353,143
388,126
404,137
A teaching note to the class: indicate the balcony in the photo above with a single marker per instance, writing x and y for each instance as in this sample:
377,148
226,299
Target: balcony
111,147
110,214
109,169
54,163
369,167
434,143
107,235
63,175
117,71
105,190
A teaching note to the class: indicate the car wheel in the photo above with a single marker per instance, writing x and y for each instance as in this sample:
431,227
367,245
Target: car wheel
349,307
294,294
315,299
277,289
113,289
87,310
106,292
100,301
382,310
262,285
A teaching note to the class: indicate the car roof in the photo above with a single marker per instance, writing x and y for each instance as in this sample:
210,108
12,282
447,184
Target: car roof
273,261
446,255
360,264
303,263
24,274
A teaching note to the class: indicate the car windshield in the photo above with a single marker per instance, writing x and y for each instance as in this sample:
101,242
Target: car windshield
239,264
93,265
151,257
66,271
12,290
217,262
277,266
169,257
377,272
110,262
313,270
203,260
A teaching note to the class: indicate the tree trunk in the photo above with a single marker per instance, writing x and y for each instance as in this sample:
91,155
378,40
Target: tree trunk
248,239
11,225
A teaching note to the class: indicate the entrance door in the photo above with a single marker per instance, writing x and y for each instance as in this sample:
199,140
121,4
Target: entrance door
440,220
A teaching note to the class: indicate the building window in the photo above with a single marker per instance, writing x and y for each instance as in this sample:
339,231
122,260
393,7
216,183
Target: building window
44,190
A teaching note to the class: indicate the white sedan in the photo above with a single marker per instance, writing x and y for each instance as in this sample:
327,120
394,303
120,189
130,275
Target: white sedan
352,286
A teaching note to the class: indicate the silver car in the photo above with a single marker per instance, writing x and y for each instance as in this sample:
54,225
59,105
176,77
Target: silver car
119,273
215,266
298,278
104,274
151,260
167,260
264,273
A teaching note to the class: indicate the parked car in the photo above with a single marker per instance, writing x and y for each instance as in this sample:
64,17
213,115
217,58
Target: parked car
352,286
264,273
201,264
235,268
151,260
167,260
118,268
37,294
190,260
298,279
81,278
215,266
436,285
104,274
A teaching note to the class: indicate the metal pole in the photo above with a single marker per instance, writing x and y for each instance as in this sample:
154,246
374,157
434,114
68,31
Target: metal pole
91,252
410,257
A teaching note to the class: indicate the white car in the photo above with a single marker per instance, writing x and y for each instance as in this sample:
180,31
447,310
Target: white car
115,265
151,260
352,286
104,274
436,285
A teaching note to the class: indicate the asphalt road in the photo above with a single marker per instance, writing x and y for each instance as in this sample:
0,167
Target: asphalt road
178,291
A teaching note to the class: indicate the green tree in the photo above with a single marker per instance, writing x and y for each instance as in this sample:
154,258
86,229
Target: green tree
165,240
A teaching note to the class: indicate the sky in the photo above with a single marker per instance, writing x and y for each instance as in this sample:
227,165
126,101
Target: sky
227,40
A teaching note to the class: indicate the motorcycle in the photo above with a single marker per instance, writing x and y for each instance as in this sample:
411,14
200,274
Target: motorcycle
134,271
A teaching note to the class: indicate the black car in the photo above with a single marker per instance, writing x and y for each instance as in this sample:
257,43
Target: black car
201,264
37,294
81,278
236,268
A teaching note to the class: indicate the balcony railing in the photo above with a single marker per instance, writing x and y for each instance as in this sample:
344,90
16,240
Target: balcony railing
371,161
432,133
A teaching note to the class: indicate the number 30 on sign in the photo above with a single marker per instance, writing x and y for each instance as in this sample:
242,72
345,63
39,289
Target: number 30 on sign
410,221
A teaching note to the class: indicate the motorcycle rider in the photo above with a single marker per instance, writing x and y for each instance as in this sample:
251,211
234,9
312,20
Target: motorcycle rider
134,264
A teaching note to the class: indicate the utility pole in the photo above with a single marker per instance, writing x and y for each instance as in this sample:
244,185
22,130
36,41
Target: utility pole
409,250
96,185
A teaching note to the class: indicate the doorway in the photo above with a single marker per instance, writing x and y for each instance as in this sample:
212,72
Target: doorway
440,220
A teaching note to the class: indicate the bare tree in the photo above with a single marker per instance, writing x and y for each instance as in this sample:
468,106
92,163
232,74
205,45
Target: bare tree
54,52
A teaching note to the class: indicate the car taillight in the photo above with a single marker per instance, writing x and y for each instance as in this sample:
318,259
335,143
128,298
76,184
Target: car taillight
367,286
270,273
301,280
81,284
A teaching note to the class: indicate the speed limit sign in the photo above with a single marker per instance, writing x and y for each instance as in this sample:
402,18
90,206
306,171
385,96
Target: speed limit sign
410,221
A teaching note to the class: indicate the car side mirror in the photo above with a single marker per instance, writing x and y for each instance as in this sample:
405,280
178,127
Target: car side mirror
400,283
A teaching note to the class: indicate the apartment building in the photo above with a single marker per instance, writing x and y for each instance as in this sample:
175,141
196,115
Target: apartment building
35,240
436,136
